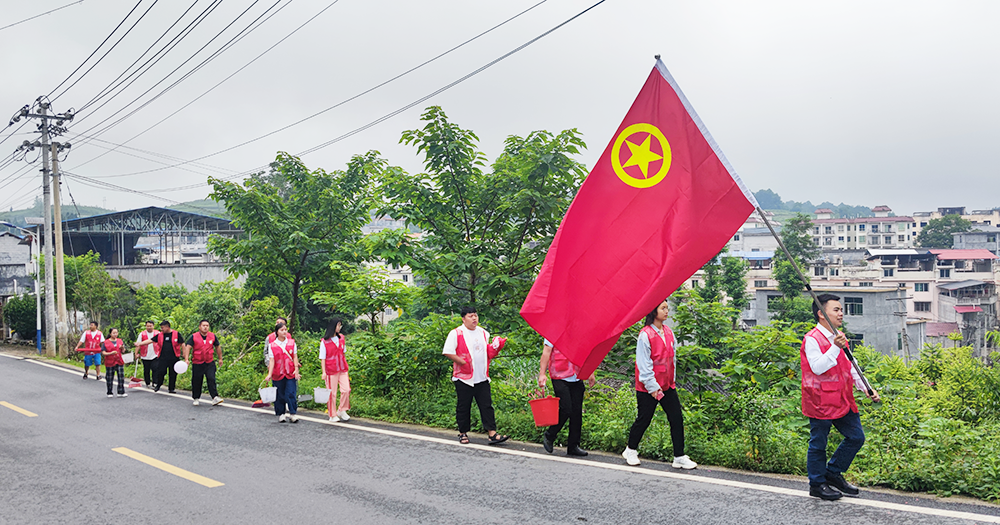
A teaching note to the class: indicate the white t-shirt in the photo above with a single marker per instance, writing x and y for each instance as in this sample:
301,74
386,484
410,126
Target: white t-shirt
475,341
83,336
288,348
148,352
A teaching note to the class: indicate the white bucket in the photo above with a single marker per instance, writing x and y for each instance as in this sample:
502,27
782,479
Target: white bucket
180,367
269,394
128,358
321,395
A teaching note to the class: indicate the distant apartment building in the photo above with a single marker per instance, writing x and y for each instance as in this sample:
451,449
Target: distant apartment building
976,217
880,231
980,238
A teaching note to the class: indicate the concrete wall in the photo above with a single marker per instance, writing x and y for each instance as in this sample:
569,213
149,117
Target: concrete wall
189,275
13,259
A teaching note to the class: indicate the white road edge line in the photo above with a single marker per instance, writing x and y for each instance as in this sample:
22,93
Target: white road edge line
607,466
17,357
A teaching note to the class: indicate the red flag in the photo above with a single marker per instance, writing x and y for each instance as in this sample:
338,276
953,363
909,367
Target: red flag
661,201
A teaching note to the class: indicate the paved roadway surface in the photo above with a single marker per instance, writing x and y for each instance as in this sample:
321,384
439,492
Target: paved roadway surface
62,467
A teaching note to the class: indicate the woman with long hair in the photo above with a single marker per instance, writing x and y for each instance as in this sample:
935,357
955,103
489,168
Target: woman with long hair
111,350
655,384
334,365
283,371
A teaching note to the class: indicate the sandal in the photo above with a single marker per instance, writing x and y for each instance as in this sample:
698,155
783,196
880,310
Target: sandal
463,438
498,438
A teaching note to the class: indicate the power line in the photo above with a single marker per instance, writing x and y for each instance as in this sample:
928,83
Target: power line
42,14
98,48
314,115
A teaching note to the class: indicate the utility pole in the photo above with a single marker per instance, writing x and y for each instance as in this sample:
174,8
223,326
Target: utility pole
62,324
40,110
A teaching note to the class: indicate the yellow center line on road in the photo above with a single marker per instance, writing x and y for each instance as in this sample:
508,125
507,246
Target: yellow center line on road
179,472
18,409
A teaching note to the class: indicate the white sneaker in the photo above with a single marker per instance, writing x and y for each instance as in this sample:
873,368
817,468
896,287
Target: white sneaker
292,418
334,419
110,396
344,416
122,395
631,456
216,400
684,462
196,402
283,418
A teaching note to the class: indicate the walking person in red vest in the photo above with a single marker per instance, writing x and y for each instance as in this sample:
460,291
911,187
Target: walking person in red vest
283,371
331,357
168,347
828,382
655,384
470,351
91,342
569,389
111,349
147,351
200,349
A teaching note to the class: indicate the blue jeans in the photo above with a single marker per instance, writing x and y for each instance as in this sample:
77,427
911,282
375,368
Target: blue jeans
819,430
287,395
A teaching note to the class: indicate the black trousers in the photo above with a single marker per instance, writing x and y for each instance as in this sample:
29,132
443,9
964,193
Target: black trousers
148,370
646,407
484,400
109,375
163,366
204,371
570,394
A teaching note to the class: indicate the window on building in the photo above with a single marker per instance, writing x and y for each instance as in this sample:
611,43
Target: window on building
760,284
855,340
406,278
834,271
888,239
874,228
861,227
840,227
923,224
921,306
861,239
921,287
819,271
827,229
840,238
771,300
866,284
847,283
828,241
901,238
848,238
888,272
736,237
854,306
816,230
945,274
817,240
694,283
991,238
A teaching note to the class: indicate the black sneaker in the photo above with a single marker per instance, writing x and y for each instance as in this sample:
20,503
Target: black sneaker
838,482
156,388
575,450
824,491
547,443
172,391
84,375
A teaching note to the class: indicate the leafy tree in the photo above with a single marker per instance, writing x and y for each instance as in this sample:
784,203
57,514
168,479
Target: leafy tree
296,221
796,236
937,233
19,314
726,275
366,291
485,233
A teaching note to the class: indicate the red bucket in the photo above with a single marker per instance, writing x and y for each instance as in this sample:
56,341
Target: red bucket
545,411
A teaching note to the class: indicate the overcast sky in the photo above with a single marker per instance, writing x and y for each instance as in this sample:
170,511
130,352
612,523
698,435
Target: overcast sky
862,102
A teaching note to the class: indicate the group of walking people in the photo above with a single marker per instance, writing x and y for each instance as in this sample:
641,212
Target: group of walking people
828,381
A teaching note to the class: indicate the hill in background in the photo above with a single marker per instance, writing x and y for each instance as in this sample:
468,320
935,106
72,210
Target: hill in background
771,201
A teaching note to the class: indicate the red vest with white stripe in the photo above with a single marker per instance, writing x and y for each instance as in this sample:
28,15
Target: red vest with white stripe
465,371
204,348
829,395
560,366
284,361
115,358
92,342
335,361
175,338
662,356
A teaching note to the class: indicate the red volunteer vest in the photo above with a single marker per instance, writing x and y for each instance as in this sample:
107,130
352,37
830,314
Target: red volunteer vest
175,338
829,395
92,343
114,359
335,361
143,336
560,366
465,371
663,359
204,348
284,362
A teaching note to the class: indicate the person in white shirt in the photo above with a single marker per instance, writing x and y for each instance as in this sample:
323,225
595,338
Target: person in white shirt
144,345
91,341
470,351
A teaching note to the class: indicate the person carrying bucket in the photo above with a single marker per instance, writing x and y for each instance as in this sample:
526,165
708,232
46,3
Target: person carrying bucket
331,357
91,342
655,384
200,349
470,351
283,371
111,350
569,389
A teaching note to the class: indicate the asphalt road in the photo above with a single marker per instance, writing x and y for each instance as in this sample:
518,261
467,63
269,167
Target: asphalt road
69,464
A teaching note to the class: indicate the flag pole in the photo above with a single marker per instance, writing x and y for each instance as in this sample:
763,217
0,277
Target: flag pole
847,352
